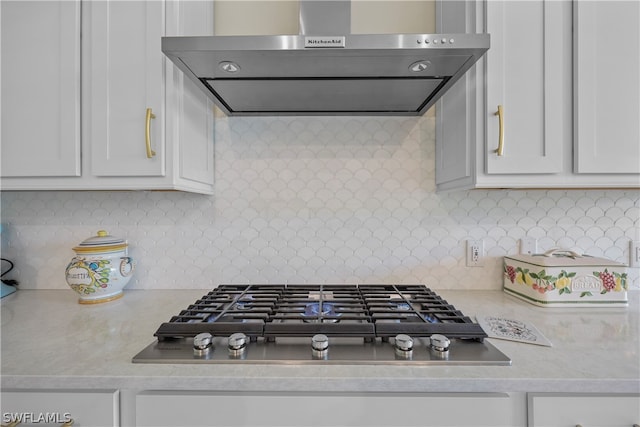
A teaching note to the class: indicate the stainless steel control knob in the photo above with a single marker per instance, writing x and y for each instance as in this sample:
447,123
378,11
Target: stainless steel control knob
440,343
319,342
320,347
202,343
237,344
237,341
404,342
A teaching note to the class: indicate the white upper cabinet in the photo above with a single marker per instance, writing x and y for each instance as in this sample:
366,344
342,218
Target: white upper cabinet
125,63
40,88
528,80
144,127
607,86
570,99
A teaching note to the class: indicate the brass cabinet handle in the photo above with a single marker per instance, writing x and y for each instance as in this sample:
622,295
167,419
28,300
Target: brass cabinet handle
68,423
500,113
147,133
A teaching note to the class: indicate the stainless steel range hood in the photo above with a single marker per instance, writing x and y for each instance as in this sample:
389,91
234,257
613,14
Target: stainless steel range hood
326,70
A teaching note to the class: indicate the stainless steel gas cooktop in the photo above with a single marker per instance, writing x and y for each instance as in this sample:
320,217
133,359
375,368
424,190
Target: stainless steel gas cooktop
340,324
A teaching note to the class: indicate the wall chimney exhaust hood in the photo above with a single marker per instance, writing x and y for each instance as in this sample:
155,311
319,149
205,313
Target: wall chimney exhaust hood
326,70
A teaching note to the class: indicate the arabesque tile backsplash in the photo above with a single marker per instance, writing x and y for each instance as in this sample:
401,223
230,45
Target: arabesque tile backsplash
316,200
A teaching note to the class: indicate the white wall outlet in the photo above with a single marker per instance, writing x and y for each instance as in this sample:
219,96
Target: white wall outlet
528,246
634,253
475,253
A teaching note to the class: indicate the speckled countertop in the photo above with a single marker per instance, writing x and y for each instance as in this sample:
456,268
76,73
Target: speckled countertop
51,341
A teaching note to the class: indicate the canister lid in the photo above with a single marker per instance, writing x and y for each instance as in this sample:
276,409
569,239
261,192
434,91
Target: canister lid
101,242
561,258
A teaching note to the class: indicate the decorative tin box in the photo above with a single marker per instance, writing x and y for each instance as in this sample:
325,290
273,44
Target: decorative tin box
565,279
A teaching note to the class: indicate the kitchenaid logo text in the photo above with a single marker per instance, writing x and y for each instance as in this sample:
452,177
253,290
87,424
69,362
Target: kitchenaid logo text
36,417
324,42
586,283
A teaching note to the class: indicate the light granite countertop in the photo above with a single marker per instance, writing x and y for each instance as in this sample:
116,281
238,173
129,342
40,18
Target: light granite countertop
51,341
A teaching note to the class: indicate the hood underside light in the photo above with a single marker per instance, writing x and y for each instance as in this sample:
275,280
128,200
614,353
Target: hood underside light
419,66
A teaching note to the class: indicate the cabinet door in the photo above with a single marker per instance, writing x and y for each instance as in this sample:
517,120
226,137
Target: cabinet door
125,78
457,128
324,409
190,113
525,77
607,86
40,88
51,407
587,410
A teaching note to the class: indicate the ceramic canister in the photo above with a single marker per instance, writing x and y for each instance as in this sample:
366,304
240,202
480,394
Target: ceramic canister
563,278
101,268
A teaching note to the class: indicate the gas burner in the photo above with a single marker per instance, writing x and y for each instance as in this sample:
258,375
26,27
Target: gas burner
400,306
313,309
313,313
243,305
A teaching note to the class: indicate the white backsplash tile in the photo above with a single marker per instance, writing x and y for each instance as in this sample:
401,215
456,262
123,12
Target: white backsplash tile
316,200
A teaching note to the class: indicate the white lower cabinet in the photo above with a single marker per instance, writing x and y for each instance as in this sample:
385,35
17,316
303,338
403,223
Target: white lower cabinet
165,408
158,408
584,410
82,408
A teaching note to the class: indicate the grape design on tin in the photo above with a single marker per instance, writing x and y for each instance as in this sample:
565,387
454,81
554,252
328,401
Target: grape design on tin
608,281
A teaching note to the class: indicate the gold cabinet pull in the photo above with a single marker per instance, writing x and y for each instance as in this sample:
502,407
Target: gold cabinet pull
147,133
68,423
500,113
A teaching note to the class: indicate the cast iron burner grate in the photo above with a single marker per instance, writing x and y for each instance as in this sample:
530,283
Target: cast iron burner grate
369,311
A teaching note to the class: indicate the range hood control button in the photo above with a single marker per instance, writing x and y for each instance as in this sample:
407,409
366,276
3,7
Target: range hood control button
440,343
202,343
404,342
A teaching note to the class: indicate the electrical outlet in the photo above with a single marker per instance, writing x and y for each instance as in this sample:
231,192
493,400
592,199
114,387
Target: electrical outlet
528,246
475,253
634,253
